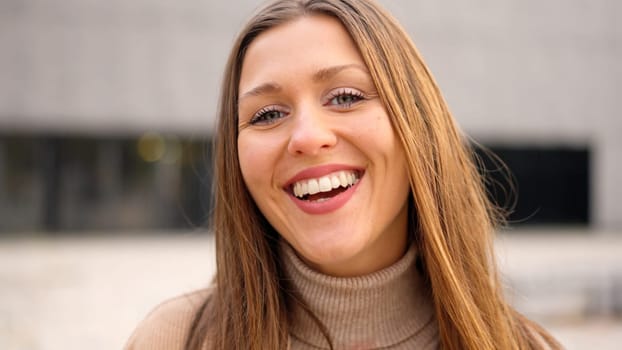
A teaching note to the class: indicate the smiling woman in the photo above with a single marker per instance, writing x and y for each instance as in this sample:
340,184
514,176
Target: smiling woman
349,213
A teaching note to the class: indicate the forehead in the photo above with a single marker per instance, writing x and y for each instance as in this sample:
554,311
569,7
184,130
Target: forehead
296,48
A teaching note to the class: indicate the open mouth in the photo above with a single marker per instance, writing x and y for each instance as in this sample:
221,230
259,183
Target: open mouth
325,187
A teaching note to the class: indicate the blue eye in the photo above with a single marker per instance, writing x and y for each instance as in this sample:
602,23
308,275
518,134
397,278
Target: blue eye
266,116
345,98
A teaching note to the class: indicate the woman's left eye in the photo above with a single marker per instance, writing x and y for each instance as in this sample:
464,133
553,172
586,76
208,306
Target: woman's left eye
345,98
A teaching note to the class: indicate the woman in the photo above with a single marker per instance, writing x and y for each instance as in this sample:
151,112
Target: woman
349,213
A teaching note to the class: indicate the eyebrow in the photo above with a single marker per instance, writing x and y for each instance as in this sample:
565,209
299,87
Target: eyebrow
266,88
327,73
319,76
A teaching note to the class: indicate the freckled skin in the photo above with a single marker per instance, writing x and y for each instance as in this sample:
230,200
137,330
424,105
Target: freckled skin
311,128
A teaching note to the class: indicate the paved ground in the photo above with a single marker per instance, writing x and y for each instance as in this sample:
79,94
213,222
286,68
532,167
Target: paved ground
75,293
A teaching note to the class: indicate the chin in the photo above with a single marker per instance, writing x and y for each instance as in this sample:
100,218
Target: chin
331,253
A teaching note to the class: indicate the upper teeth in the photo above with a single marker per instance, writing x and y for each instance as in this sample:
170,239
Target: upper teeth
325,183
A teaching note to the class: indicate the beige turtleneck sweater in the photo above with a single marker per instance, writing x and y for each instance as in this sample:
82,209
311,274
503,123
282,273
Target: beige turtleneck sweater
384,310
387,309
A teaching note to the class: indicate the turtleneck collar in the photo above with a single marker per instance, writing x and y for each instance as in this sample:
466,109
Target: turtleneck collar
379,310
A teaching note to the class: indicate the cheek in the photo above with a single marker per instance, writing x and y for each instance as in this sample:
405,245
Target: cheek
383,145
249,162
257,158
375,135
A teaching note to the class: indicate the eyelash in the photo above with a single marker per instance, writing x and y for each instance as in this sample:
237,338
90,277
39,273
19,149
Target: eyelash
356,95
261,117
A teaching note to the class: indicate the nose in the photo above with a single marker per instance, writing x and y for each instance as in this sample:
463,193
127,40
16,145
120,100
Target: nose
311,134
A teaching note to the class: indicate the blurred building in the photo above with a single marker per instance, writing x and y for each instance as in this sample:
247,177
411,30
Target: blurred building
107,107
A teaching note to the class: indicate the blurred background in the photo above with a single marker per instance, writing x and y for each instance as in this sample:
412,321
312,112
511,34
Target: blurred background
107,113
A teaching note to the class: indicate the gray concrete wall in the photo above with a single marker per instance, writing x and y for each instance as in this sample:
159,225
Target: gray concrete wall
113,66
513,72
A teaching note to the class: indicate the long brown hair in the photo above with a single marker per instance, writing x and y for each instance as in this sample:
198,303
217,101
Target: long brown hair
452,220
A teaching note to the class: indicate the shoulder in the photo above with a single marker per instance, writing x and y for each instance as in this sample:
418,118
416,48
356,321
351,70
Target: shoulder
167,326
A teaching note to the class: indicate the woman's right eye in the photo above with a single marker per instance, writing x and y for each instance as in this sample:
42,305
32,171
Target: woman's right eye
267,116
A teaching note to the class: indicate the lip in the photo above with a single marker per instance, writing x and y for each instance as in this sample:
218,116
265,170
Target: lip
328,205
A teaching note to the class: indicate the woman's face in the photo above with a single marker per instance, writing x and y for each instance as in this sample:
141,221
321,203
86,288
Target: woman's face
317,150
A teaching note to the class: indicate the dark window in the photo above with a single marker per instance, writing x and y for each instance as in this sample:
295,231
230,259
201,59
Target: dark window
551,183
53,183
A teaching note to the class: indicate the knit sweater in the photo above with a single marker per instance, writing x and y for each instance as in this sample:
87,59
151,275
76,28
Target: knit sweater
387,309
